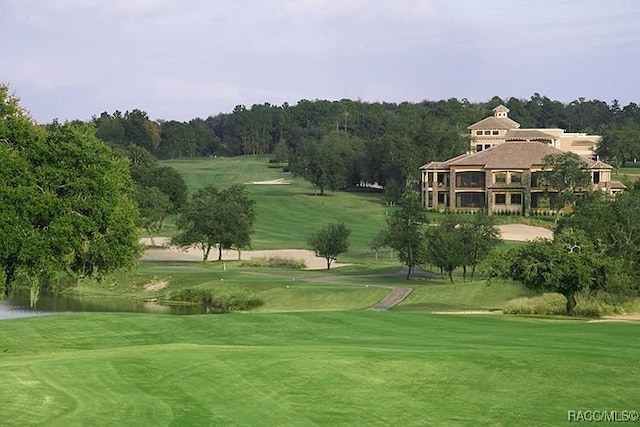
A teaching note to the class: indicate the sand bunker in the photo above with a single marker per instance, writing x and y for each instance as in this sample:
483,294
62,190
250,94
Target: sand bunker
171,253
522,232
163,252
279,181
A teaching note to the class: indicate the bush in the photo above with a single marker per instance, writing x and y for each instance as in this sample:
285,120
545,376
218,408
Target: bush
239,300
275,262
588,306
236,300
191,296
545,304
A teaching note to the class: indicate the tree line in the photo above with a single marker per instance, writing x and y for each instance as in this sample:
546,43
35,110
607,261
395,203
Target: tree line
340,144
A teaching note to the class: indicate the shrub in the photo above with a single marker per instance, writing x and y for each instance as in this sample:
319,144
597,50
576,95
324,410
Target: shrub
588,306
239,300
236,300
191,296
545,304
275,262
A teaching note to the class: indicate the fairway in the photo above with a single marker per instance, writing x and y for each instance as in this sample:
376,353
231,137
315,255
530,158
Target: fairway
333,368
287,214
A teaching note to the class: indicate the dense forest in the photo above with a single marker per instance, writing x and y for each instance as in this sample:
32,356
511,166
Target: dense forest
339,144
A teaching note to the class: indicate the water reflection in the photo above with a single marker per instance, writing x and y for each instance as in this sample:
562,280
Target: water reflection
9,311
18,306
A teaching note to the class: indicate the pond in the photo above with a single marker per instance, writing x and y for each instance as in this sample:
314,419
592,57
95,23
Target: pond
18,306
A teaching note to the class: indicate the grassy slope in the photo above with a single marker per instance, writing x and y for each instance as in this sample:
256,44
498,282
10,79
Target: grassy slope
288,214
338,368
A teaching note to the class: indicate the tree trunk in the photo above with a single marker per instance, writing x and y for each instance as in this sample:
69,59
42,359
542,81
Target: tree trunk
328,263
450,274
409,270
205,253
571,303
464,273
219,252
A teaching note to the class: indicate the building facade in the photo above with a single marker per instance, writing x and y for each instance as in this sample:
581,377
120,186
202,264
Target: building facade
501,171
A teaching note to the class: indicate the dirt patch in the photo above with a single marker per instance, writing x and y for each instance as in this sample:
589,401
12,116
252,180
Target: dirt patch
156,285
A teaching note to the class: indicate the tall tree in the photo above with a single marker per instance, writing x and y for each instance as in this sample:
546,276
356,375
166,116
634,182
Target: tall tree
214,217
154,207
567,173
620,143
327,165
613,225
330,241
566,264
64,204
405,228
446,247
139,129
479,236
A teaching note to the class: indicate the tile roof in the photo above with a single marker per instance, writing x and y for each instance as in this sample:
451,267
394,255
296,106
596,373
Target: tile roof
510,155
442,165
495,123
597,164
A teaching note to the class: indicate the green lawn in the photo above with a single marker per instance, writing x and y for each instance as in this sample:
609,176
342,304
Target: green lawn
288,214
626,174
346,288
311,355
312,368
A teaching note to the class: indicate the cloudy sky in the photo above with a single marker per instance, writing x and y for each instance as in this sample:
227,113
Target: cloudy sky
181,59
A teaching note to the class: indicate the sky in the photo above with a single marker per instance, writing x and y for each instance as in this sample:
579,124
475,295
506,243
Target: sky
185,59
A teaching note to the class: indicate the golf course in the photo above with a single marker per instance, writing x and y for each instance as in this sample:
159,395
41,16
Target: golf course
315,352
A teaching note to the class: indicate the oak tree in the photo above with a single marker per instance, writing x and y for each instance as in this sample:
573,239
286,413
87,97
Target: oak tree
64,202
214,217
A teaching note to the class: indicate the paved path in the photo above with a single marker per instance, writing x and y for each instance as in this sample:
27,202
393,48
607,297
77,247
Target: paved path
395,297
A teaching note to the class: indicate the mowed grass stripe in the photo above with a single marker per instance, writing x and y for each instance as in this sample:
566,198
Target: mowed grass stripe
327,368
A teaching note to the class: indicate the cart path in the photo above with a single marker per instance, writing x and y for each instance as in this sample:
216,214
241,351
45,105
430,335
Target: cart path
393,298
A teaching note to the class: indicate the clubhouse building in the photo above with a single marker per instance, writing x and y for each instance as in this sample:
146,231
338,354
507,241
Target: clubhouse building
501,171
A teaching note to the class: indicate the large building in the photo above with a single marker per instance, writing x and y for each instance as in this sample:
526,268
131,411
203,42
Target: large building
501,171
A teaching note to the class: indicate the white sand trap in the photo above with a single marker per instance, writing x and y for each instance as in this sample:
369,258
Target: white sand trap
279,181
171,253
522,232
